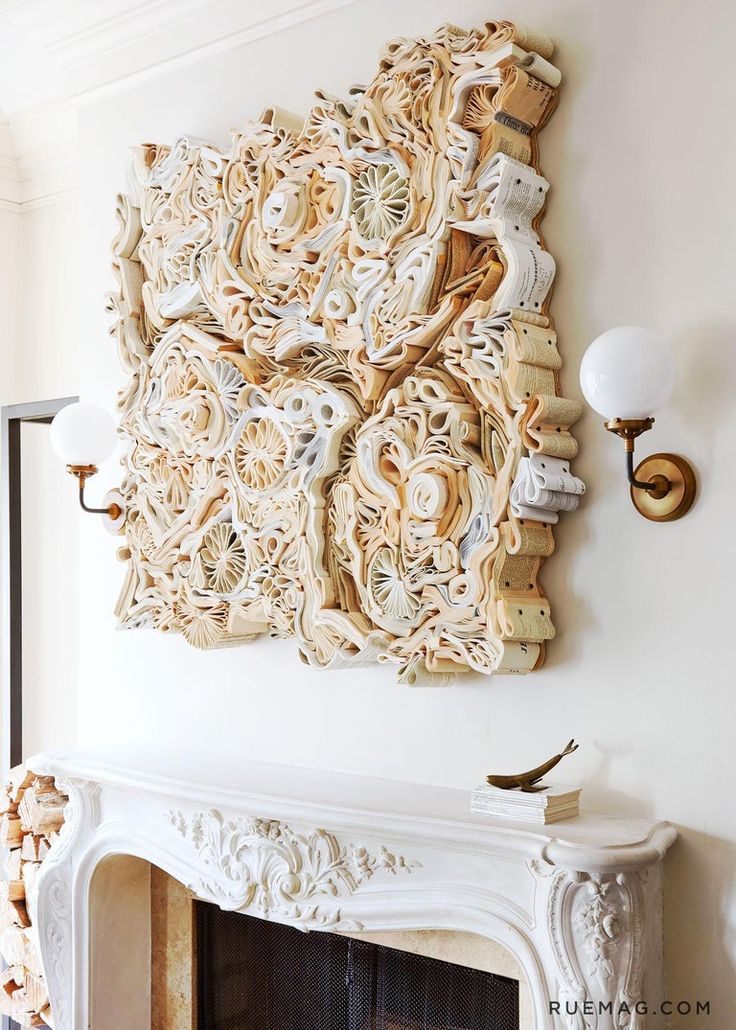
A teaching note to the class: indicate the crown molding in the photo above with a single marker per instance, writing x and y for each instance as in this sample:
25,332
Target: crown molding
9,176
9,193
36,203
38,159
139,41
57,54
205,32
10,187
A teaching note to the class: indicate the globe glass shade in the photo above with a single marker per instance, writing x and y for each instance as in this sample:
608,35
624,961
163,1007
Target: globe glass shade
627,373
83,434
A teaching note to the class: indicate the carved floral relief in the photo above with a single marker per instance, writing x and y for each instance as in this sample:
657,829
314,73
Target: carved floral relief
343,414
265,868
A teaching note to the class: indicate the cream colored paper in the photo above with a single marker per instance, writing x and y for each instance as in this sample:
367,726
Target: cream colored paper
339,354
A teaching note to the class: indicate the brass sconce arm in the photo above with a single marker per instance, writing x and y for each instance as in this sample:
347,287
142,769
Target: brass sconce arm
628,429
668,490
638,484
83,473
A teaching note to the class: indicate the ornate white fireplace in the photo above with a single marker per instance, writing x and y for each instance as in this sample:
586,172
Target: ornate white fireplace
573,908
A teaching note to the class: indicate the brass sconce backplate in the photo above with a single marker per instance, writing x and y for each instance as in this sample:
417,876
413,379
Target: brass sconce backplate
678,487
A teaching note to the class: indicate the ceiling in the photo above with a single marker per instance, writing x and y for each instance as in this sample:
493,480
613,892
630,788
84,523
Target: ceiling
58,54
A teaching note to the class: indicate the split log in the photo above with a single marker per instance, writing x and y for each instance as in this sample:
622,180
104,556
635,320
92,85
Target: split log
41,809
34,848
6,803
12,978
13,895
11,833
20,1007
29,874
32,961
13,864
7,916
20,780
36,992
13,945
13,913
12,890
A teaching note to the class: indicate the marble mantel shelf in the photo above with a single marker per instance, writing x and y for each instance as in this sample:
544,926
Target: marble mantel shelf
578,904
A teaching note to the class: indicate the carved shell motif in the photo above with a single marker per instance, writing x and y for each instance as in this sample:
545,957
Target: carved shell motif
343,407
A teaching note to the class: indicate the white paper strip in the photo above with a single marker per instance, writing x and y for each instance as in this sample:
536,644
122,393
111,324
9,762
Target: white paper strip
543,487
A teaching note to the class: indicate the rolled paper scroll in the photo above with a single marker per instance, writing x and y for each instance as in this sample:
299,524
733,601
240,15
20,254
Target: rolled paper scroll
546,425
517,574
535,345
537,67
522,536
525,620
129,228
516,194
530,272
520,658
543,487
280,118
500,32
508,196
525,380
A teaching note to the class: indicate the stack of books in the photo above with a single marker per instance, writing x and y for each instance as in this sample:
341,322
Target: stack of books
552,805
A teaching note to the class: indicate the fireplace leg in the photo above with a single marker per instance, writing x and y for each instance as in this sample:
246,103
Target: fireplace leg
602,933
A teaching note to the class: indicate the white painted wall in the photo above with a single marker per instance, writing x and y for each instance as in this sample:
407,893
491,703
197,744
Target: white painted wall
641,220
39,293
10,281
50,614
48,354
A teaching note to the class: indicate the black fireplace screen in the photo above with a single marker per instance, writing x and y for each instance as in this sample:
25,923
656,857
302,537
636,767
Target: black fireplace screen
257,975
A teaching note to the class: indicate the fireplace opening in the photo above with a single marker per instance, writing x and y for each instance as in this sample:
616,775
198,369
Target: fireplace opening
259,975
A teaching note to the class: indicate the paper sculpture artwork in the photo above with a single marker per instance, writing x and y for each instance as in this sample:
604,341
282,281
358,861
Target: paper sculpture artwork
343,413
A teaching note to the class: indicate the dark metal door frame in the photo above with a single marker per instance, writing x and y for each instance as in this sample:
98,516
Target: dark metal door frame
11,572
13,416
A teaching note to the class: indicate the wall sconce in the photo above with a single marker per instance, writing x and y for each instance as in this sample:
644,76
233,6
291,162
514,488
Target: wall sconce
84,435
626,375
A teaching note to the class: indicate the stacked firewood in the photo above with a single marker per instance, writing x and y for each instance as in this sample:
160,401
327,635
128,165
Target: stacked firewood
31,816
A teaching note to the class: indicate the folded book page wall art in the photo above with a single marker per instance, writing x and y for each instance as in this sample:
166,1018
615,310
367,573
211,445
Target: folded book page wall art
343,407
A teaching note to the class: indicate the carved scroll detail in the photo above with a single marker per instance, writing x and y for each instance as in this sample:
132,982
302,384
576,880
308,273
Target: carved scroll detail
264,867
343,408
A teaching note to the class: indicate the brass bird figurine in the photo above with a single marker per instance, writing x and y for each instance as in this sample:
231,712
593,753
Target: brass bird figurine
525,781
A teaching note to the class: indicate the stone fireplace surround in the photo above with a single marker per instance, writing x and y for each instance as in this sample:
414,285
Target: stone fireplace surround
573,910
